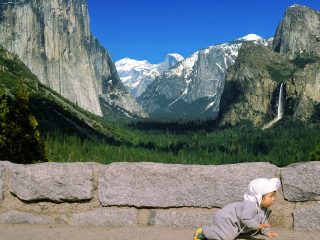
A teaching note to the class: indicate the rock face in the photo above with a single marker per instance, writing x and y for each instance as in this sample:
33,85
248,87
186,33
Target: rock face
106,217
176,218
137,75
303,92
52,181
163,185
307,218
151,194
53,38
298,32
252,88
1,181
15,217
297,188
249,87
192,89
251,91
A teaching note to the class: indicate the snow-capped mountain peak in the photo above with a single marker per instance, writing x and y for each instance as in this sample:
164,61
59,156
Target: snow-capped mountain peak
177,57
192,88
296,5
136,75
127,64
249,38
170,60
256,39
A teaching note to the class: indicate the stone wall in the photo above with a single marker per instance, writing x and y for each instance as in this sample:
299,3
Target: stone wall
149,194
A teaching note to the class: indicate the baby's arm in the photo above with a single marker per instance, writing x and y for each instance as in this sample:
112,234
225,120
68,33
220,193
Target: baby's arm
264,227
265,230
248,218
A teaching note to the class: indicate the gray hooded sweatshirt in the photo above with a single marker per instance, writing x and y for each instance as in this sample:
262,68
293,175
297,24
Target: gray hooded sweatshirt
235,218
243,217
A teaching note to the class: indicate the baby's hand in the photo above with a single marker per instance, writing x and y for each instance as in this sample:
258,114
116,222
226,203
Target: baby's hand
272,234
264,225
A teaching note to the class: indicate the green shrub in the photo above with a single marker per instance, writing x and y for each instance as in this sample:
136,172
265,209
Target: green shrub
315,154
20,139
303,59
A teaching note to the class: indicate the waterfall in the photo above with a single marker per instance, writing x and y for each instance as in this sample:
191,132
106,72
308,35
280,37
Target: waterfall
280,109
280,103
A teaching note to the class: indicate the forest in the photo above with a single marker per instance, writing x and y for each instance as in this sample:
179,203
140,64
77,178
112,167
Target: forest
22,140
287,142
37,125
200,142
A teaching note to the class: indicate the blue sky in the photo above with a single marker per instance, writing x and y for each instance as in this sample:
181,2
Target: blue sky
149,29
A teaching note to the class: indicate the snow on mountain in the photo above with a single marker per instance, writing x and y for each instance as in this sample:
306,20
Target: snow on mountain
170,60
250,37
296,6
192,88
137,75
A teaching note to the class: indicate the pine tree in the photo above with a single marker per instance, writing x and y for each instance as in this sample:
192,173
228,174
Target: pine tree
20,139
4,110
315,154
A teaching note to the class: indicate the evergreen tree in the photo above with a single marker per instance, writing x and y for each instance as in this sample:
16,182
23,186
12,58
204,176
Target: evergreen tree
315,155
20,139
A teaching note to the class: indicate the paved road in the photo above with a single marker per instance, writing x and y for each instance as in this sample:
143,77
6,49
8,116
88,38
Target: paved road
65,232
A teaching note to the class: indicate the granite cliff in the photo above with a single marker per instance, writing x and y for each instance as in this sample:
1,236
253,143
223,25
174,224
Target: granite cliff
137,75
192,89
251,90
54,113
298,32
53,39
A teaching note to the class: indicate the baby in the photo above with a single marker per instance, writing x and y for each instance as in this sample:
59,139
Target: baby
246,218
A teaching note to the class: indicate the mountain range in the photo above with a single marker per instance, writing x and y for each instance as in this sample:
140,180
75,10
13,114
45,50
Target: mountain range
231,82
192,88
252,84
240,80
53,39
53,112
137,75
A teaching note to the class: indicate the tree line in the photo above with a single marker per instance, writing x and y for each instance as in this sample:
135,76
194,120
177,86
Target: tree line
20,139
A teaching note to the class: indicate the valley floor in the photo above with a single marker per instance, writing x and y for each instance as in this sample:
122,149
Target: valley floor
65,232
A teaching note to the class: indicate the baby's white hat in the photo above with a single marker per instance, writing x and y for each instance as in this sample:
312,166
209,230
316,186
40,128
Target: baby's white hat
259,187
